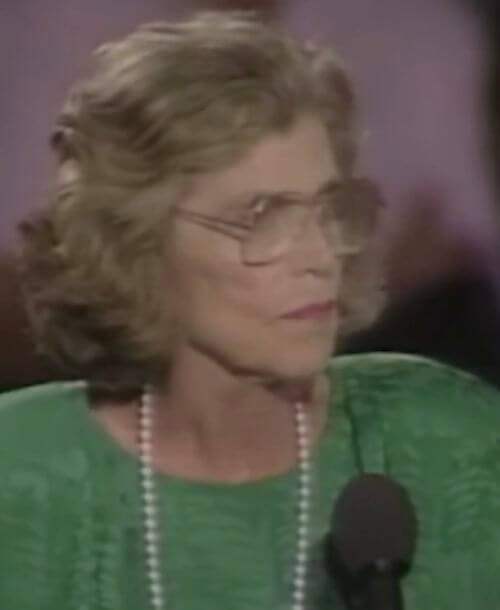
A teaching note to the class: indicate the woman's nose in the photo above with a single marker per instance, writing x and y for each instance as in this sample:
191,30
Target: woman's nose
314,247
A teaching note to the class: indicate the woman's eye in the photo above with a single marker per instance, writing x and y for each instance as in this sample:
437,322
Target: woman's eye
258,208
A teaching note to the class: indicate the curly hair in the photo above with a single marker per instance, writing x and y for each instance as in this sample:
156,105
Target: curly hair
169,101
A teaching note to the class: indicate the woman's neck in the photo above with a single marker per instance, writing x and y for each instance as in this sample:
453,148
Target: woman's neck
212,424
211,400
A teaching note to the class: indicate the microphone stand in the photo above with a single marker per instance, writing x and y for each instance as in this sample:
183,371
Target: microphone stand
376,587
382,590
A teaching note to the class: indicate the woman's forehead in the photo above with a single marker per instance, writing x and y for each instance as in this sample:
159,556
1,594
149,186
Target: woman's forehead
299,161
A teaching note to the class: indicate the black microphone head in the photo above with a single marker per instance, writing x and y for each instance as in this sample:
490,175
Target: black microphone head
374,526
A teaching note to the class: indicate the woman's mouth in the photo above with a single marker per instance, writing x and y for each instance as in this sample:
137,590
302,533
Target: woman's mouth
312,311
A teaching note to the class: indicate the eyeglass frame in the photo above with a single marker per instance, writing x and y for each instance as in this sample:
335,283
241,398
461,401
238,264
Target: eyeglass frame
232,228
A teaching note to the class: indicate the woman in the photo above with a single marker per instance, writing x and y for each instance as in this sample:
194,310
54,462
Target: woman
206,243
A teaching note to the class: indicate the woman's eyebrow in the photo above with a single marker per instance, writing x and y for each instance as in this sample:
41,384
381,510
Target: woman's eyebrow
329,185
249,198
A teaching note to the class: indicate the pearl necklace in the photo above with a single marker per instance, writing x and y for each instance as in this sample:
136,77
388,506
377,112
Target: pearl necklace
150,507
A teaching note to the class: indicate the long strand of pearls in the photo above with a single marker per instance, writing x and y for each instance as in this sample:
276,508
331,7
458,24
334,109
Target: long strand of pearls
150,505
149,501
303,508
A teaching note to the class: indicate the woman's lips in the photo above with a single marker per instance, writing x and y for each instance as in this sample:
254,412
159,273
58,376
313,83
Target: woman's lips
314,311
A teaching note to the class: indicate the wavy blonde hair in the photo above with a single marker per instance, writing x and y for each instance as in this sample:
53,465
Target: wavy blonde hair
162,104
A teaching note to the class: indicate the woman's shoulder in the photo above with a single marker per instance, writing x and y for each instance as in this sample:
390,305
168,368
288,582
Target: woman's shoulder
54,491
398,368
419,401
53,391
41,427
385,373
34,407
417,389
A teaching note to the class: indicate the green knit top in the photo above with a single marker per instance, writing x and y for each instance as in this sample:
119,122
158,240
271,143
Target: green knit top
70,513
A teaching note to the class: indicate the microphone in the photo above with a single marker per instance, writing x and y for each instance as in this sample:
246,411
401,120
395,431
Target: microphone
372,543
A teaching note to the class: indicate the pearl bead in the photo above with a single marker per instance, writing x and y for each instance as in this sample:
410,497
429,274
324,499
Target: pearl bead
302,544
302,436
150,509
145,471
300,413
148,484
303,454
302,518
305,475
148,503
300,571
147,445
304,492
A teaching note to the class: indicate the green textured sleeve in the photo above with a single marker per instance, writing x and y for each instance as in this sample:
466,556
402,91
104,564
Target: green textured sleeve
38,493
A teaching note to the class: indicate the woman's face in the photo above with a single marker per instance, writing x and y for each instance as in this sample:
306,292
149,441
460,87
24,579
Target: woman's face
277,318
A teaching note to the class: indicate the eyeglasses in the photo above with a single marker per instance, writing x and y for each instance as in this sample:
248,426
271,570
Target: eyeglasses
269,227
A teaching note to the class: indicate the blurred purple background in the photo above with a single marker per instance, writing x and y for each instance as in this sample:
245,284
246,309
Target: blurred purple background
417,67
